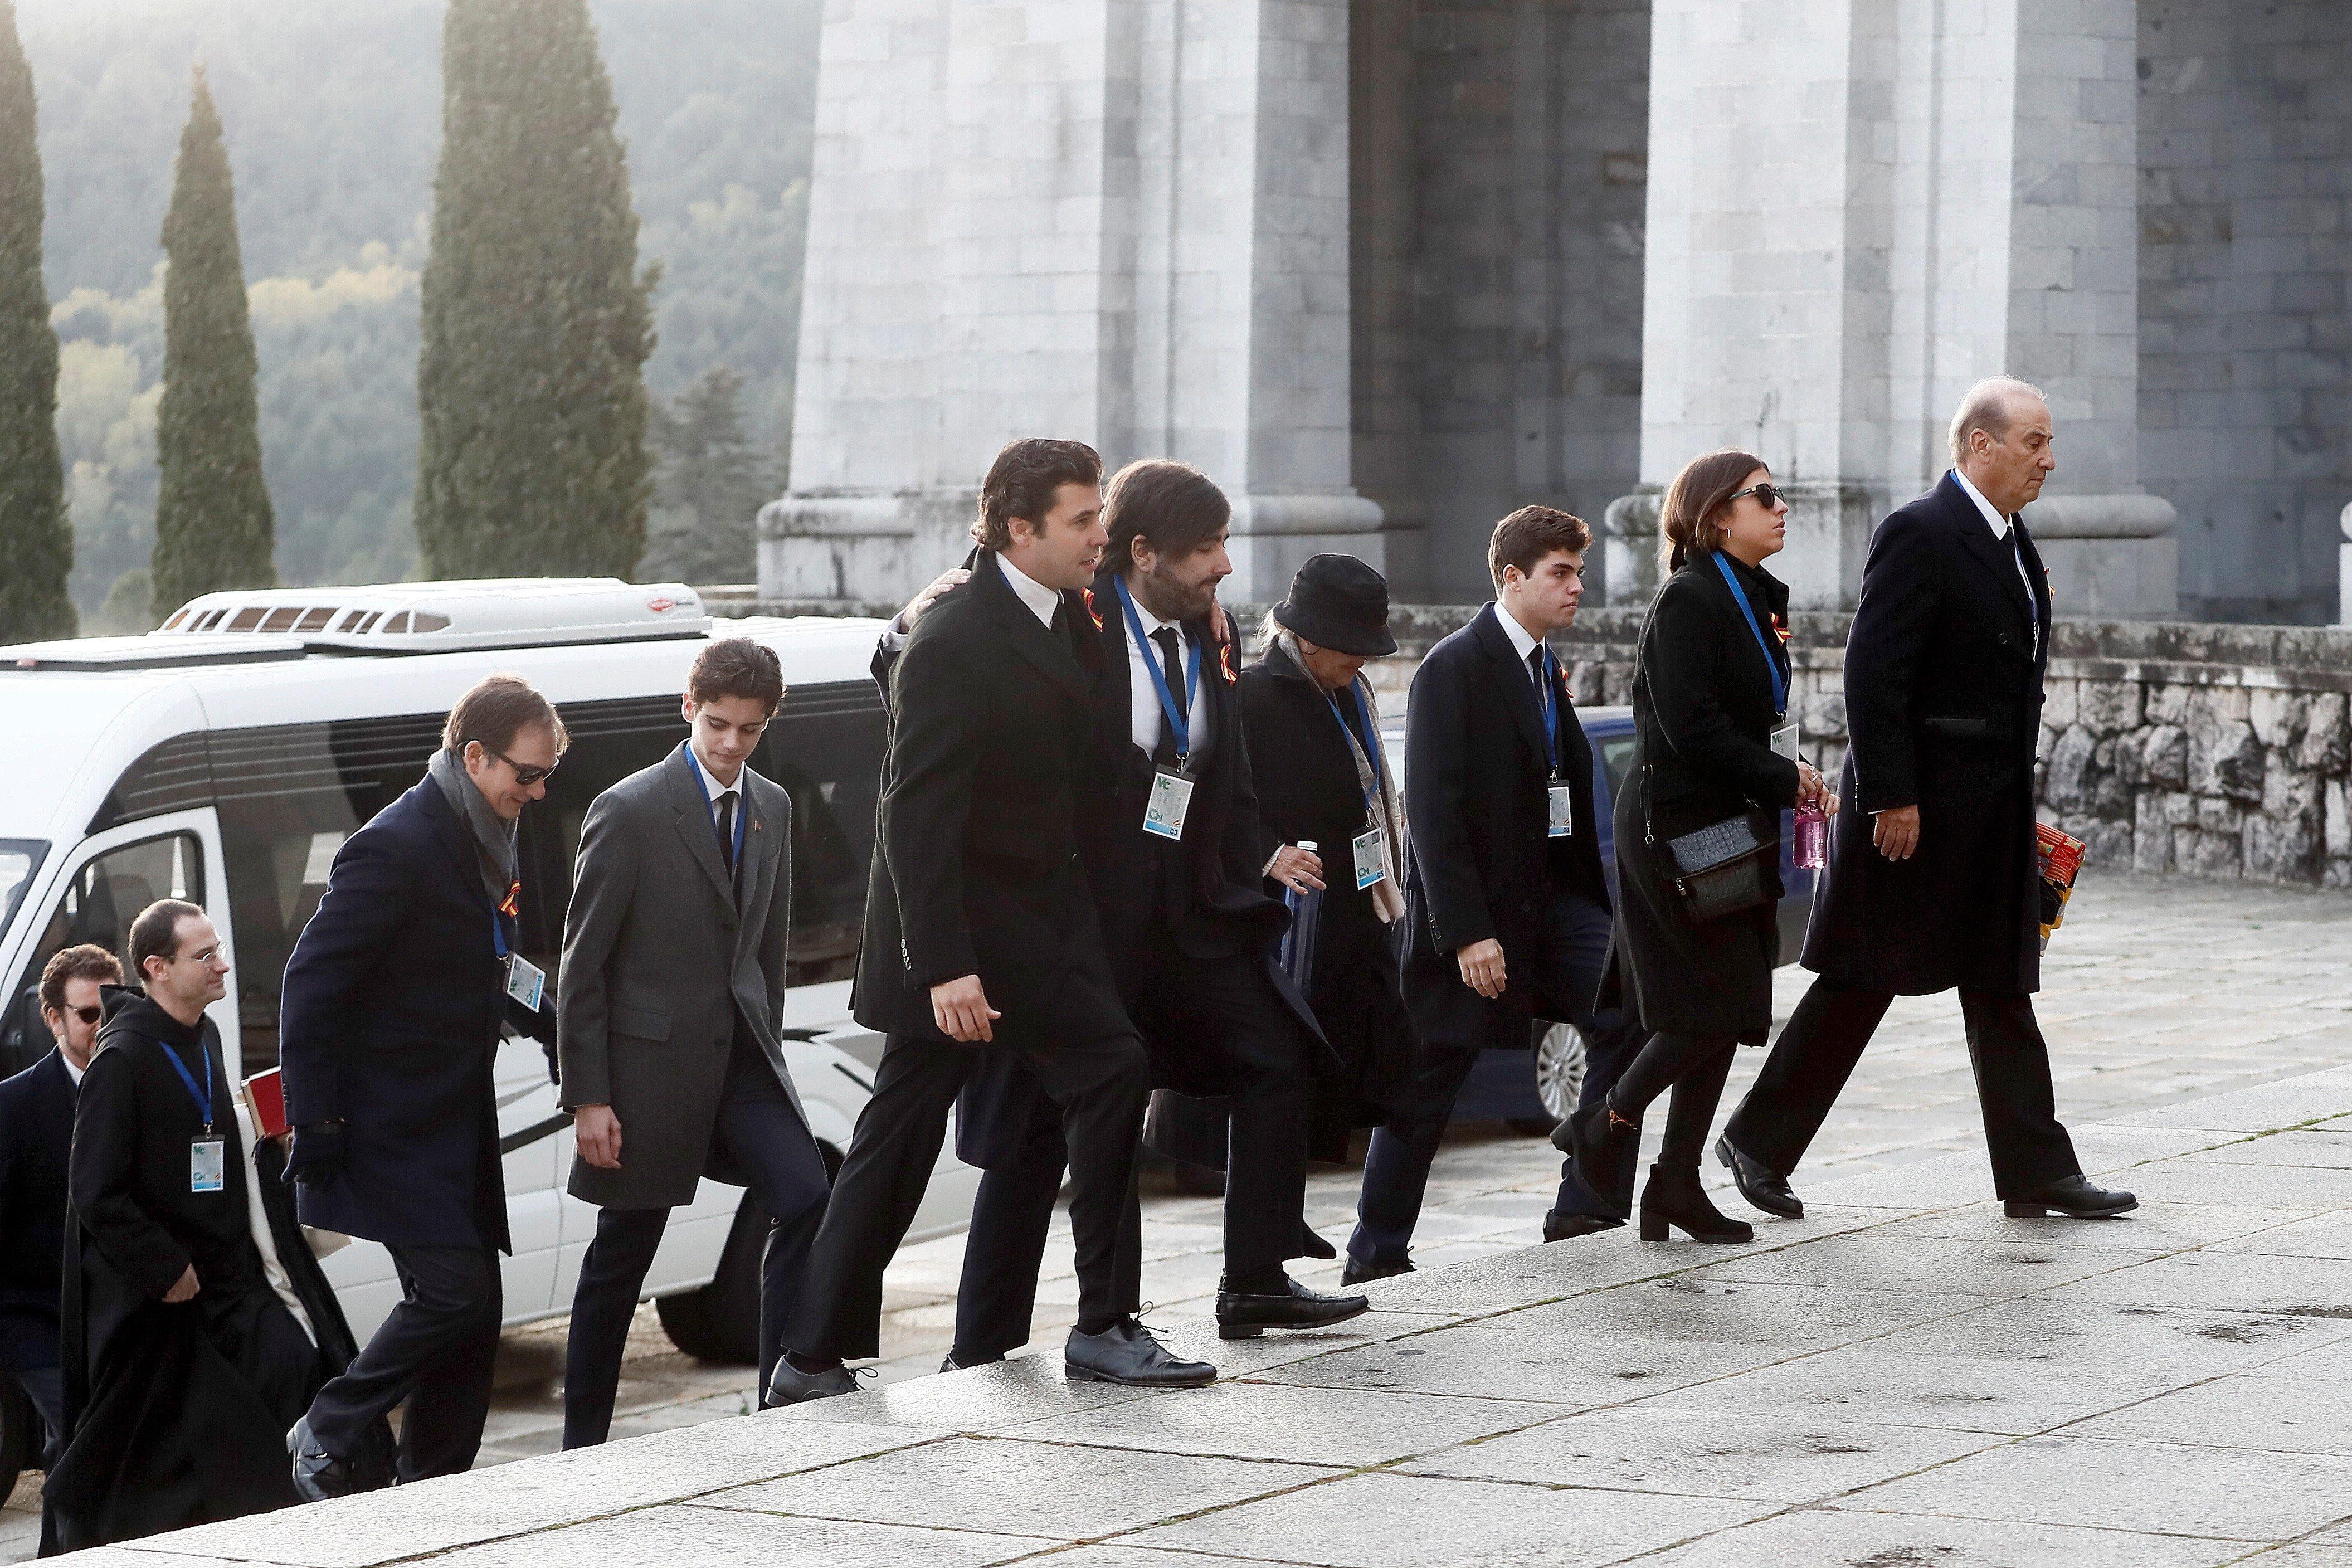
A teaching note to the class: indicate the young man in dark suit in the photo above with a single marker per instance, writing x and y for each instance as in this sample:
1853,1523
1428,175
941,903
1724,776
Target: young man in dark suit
673,995
1506,910
1933,882
1190,928
395,995
36,1116
980,928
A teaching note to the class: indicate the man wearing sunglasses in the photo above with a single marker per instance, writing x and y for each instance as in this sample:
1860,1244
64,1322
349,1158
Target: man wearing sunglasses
394,1000
36,1111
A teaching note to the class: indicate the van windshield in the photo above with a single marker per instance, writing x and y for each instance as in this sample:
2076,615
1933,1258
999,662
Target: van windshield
19,858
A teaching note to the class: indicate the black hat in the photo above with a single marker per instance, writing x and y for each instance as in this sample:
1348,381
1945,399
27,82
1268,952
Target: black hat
1340,603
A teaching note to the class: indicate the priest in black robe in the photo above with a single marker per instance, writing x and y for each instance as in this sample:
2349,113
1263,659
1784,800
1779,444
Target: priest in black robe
184,1369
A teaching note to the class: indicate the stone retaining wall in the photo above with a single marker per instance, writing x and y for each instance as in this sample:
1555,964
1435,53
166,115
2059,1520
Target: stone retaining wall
2219,751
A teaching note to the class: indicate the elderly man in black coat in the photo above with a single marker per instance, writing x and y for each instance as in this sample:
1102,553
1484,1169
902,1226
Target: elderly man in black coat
183,1366
395,996
1507,914
1933,882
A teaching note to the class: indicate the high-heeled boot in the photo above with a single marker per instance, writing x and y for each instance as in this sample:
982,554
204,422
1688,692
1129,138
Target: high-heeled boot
1597,1137
1673,1195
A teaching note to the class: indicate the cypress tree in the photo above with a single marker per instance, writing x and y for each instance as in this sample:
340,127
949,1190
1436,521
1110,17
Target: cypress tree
529,387
35,537
710,481
213,523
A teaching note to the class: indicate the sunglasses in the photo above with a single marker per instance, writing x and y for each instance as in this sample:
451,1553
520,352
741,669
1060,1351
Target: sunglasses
524,777
87,1015
1767,495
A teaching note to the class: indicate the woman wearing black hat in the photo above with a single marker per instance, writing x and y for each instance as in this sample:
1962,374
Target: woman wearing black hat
1698,835
1312,726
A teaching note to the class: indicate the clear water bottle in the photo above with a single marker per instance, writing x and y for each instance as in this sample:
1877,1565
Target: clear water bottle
1306,926
1810,850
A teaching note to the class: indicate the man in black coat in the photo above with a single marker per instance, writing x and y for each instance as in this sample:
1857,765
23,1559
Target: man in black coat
395,995
37,1117
184,1368
1933,882
1506,910
1190,928
979,930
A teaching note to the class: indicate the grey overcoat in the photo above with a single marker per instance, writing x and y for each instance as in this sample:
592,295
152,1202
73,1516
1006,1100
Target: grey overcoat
659,958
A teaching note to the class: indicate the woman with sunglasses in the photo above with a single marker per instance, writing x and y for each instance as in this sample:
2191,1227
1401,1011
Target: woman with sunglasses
1715,748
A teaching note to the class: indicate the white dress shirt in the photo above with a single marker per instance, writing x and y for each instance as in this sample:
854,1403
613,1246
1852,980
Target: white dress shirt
1042,601
1521,640
72,1071
2006,536
1143,716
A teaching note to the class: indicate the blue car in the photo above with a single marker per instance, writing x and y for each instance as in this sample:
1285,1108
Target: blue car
1533,1091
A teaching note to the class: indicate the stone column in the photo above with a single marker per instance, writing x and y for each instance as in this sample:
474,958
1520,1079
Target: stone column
1124,221
1856,210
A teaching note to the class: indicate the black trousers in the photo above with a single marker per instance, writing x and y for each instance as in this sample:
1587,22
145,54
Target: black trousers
1825,1036
1566,969
1694,1068
435,1350
996,1299
767,1142
1100,1088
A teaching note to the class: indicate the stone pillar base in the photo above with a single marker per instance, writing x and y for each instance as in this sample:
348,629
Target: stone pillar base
862,548
1274,534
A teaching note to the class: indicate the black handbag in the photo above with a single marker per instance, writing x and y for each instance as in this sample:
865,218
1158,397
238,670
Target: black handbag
1726,866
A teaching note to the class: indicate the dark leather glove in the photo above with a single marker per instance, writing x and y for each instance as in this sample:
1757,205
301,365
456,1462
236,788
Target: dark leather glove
316,1157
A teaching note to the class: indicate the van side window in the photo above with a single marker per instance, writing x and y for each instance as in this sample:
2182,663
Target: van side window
98,905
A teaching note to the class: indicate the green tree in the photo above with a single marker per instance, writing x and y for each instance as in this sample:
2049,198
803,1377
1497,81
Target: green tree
536,324
35,537
710,483
213,523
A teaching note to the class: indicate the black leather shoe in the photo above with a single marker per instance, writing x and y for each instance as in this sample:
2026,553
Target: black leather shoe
1559,1226
2073,1197
1672,1196
1312,1246
1127,1354
788,1384
1357,1273
1246,1314
1596,1140
318,1474
949,1363
1759,1185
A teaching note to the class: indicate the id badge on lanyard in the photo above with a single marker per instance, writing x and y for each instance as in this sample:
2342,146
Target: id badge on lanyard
1786,740
1371,852
525,981
207,1163
1171,797
1560,809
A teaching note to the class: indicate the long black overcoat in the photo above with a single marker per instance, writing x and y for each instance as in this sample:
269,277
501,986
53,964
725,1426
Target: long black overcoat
1475,774
36,1111
1944,672
1307,789
394,998
977,868
1702,721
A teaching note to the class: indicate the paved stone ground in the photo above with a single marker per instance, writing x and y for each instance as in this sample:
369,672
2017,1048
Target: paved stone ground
2159,992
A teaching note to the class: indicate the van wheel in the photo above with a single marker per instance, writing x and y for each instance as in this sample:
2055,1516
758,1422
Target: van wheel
720,1322
20,1433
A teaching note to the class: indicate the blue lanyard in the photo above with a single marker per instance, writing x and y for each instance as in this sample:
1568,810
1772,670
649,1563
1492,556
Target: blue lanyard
1371,741
1548,705
1771,664
1178,730
711,806
204,1096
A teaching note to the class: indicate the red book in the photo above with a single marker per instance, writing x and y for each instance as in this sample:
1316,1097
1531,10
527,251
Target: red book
265,1094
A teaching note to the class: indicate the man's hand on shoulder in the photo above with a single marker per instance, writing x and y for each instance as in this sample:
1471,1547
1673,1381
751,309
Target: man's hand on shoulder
1896,831
953,577
960,1008
597,1131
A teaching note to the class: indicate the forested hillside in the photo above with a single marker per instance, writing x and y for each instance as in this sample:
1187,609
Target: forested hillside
333,112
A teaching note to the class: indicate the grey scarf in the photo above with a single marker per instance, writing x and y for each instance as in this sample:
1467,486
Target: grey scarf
1372,778
493,835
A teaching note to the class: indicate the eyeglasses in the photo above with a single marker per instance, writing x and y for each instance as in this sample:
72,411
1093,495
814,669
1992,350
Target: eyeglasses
525,777
1767,495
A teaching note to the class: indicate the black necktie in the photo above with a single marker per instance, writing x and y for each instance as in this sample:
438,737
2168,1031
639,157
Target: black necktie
1172,665
1056,626
727,830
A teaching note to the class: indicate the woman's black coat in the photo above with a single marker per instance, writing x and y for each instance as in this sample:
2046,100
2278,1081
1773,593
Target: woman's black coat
1307,789
1702,717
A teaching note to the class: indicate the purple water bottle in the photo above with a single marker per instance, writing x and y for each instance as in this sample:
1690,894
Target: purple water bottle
1811,848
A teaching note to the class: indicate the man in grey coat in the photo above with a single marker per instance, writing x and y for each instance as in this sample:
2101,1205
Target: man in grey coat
672,996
